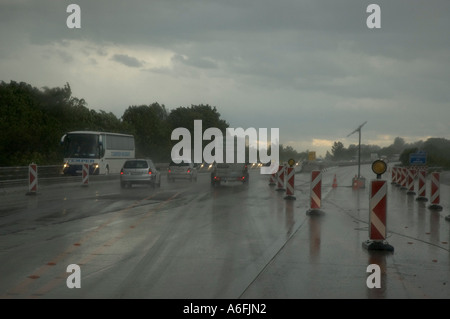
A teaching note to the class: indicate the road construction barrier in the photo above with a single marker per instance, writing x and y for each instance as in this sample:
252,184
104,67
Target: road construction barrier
422,186
410,184
273,179
358,182
290,175
377,217
435,191
398,176
315,192
404,178
280,178
85,175
32,179
394,175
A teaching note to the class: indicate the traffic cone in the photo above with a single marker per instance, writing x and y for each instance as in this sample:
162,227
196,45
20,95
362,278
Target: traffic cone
334,181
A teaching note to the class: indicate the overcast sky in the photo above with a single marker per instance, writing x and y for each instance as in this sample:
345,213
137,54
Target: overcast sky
311,68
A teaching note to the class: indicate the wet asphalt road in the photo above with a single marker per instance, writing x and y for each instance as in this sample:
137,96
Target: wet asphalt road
191,240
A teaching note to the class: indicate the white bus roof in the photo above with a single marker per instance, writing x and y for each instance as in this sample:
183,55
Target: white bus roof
97,132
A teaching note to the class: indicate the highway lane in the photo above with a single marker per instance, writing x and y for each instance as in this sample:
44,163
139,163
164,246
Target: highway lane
190,240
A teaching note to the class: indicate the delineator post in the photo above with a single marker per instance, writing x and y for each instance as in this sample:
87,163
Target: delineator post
377,217
85,175
315,193
32,179
435,192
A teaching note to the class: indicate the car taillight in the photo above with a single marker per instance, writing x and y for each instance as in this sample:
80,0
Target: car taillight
169,170
121,171
149,172
189,170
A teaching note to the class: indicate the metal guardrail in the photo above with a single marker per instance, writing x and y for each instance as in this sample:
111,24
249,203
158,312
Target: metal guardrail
18,175
21,172
51,174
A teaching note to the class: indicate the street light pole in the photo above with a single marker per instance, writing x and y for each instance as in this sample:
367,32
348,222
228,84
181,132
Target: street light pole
359,153
359,179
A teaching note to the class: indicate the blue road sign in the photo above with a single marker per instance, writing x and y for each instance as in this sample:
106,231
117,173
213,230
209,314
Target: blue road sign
418,158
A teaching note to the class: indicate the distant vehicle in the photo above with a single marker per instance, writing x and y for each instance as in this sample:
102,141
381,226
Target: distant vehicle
104,152
229,172
183,170
139,171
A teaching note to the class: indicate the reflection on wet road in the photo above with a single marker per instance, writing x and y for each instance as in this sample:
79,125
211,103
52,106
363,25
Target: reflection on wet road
192,240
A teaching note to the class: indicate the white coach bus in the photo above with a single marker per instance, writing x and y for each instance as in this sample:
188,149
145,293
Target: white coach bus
104,152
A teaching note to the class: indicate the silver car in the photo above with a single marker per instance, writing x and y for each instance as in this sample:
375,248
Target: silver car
182,170
139,171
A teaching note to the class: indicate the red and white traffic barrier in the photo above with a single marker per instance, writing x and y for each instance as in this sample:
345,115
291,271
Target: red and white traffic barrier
315,192
290,177
377,217
422,186
394,175
273,179
85,175
398,176
32,179
403,178
410,184
280,178
435,191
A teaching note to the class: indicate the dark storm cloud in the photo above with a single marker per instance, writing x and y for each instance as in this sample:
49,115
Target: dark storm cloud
314,59
127,60
198,62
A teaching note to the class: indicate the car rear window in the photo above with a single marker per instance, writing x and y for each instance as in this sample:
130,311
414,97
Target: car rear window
135,164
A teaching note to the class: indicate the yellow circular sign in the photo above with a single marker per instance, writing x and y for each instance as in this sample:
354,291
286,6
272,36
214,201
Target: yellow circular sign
379,167
291,162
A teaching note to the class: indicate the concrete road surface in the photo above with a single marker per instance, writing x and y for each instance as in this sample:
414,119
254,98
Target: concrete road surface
189,240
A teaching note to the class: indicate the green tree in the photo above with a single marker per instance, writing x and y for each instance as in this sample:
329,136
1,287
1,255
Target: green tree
33,121
185,117
148,123
338,151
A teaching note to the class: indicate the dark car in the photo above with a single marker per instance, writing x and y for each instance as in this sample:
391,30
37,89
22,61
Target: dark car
139,171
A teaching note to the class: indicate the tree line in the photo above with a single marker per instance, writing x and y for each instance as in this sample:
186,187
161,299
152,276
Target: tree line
34,120
437,151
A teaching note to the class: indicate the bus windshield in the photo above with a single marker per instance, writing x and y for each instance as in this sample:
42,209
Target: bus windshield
81,146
